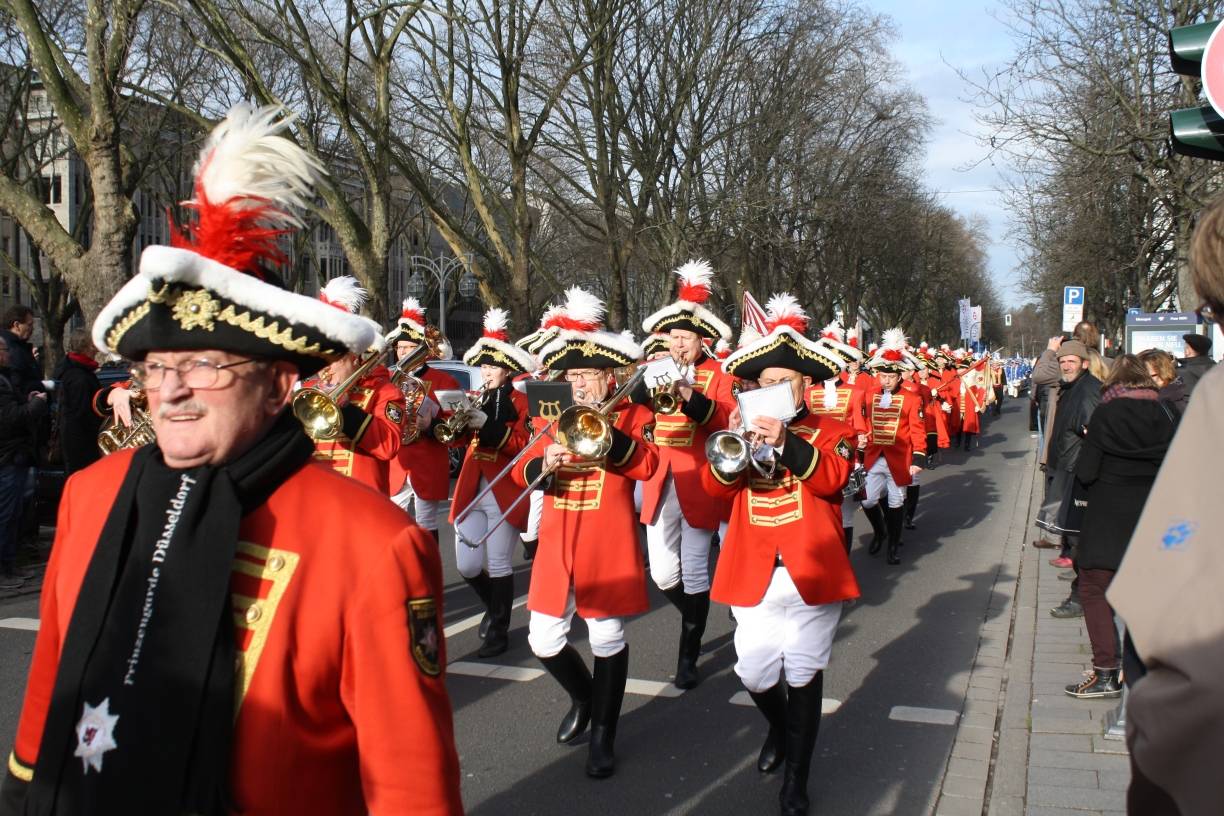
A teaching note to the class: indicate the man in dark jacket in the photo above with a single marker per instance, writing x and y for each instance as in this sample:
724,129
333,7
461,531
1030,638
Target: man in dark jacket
1079,393
16,327
19,414
1197,361
76,420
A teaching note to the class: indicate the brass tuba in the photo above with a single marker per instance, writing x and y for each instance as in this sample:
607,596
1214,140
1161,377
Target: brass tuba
117,436
413,389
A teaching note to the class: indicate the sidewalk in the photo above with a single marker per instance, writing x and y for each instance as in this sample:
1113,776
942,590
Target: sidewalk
1023,747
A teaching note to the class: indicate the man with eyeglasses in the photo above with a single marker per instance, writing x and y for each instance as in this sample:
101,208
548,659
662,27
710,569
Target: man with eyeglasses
783,568
680,517
226,625
588,561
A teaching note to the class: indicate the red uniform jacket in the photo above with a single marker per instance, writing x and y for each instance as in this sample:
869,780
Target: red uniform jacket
425,462
973,403
932,408
849,409
336,715
681,438
949,392
797,516
898,433
490,460
862,381
373,427
589,533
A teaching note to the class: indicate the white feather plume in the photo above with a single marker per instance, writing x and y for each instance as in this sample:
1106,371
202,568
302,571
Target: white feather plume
783,306
834,331
411,304
495,320
245,159
583,307
345,291
748,336
894,339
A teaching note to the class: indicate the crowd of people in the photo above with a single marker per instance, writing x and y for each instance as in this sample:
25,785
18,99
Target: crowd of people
200,576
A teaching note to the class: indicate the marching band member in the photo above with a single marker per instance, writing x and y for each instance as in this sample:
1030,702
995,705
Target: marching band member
896,443
372,408
211,641
420,471
589,560
680,517
842,401
532,343
495,440
973,398
783,568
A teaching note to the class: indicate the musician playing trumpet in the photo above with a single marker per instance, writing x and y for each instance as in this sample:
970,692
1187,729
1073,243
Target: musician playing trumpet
783,568
372,408
484,548
589,560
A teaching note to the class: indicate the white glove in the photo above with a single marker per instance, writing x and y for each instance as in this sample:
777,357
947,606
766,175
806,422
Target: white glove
947,408
478,419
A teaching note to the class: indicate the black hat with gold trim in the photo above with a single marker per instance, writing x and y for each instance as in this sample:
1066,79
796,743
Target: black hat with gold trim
581,340
538,339
892,356
494,347
215,286
689,311
657,343
785,346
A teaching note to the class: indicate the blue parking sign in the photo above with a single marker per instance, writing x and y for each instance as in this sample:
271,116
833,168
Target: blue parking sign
1073,296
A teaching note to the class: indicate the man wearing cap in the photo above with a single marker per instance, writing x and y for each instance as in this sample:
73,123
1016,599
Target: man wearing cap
1197,360
420,471
783,568
210,639
371,408
895,444
589,561
679,516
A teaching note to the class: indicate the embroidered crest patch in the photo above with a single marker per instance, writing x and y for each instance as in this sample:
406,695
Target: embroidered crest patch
395,413
844,451
424,637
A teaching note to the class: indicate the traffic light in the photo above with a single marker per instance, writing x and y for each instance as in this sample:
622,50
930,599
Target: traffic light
1197,132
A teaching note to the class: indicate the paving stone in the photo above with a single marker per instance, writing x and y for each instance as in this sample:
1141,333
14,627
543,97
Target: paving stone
1065,725
979,720
1057,811
1060,742
1069,777
964,787
1077,759
976,693
983,736
1101,745
1114,780
971,768
1082,798
975,750
958,806
1006,806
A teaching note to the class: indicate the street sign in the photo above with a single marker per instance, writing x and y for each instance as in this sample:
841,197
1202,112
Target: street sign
1073,307
965,317
1007,320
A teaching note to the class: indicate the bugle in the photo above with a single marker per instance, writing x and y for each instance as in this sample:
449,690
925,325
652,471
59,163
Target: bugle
731,452
319,410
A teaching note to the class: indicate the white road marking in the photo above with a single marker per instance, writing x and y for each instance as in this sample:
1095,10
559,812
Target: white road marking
651,688
494,672
474,620
930,716
827,704
26,624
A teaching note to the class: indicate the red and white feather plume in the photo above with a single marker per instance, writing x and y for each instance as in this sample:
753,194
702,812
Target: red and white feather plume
344,292
784,310
495,321
695,277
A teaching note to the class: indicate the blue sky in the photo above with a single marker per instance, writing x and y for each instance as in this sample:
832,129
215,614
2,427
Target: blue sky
934,40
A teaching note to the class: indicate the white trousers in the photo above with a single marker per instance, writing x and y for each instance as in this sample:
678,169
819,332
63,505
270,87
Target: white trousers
677,549
427,511
547,635
496,551
535,512
879,479
783,633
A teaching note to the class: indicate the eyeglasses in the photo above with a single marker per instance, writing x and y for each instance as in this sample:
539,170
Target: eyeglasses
765,383
579,376
199,375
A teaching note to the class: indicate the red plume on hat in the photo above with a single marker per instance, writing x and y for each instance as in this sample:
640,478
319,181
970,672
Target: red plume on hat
411,310
784,310
581,312
495,324
695,277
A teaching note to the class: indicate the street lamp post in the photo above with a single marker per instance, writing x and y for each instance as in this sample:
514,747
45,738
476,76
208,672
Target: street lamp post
442,270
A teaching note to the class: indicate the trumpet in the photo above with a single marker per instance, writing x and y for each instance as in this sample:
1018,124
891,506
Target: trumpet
117,436
731,452
450,428
665,400
319,411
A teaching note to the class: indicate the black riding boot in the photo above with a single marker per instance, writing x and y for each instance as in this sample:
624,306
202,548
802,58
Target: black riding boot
875,515
675,595
802,725
568,669
893,518
607,692
911,504
529,548
483,589
772,703
968,441
692,627
932,450
848,536
501,601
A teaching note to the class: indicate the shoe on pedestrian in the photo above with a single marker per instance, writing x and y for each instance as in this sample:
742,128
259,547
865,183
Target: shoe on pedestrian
1042,544
1066,575
1067,609
1062,562
1098,683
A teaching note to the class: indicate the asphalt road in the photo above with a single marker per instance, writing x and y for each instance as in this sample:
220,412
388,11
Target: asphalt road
909,641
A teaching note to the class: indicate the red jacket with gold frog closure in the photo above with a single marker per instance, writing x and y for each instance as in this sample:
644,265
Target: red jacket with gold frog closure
424,462
372,428
488,452
898,433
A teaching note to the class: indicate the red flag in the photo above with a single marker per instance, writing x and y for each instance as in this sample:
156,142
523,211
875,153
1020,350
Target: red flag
753,316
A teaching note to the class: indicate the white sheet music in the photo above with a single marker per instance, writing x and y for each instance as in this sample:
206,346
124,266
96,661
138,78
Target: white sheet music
452,400
659,373
777,401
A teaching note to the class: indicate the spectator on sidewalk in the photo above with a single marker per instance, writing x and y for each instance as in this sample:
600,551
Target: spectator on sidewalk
76,420
1167,589
1197,360
1127,439
25,369
1162,367
19,414
1079,393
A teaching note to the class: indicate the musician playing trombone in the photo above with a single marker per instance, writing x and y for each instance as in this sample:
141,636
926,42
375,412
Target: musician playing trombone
783,568
372,408
589,560
484,547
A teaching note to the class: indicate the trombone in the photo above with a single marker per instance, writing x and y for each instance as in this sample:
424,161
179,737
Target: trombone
583,430
318,410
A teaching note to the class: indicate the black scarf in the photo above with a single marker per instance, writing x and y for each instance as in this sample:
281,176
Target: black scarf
151,641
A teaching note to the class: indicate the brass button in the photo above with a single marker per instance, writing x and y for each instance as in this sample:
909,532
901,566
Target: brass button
276,563
253,612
